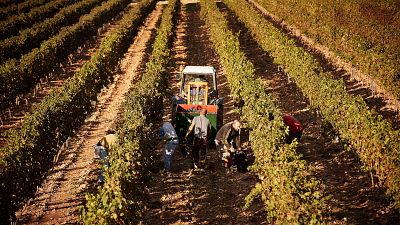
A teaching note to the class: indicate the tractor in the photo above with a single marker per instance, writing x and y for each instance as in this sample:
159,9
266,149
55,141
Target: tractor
198,90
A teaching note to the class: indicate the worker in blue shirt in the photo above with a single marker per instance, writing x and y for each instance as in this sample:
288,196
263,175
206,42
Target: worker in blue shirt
168,133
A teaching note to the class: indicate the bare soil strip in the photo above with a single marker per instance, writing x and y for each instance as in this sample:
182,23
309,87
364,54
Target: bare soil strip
184,196
75,173
14,116
356,82
353,199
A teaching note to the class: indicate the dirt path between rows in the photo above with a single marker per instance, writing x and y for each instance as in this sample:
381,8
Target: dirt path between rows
353,200
356,82
184,196
14,115
64,189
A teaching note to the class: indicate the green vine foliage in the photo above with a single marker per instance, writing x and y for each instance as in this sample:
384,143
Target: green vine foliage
13,24
26,40
120,199
29,151
290,194
19,8
19,76
373,138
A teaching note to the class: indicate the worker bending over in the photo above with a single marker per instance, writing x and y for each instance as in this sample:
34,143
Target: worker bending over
295,128
227,142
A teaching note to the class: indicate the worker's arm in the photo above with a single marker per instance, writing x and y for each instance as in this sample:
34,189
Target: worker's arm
237,141
103,141
225,139
190,128
208,131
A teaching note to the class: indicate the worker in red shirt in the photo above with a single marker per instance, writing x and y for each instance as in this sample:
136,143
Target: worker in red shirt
295,128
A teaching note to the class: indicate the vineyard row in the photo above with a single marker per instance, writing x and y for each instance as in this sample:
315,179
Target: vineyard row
373,138
365,34
30,150
20,76
19,8
26,40
290,196
120,199
15,23
5,3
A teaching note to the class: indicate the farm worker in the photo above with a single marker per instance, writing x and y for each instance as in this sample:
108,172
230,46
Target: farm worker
227,142
109,140
167,132
101,150
295,128
202,129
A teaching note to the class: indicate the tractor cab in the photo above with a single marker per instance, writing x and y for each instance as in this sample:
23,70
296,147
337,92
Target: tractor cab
198,90
199,78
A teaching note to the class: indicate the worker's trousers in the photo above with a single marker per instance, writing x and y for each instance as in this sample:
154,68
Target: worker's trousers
224,154
199,152
102,153
170,147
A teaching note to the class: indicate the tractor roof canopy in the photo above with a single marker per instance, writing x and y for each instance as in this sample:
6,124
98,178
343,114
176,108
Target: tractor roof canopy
199,70
200,73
